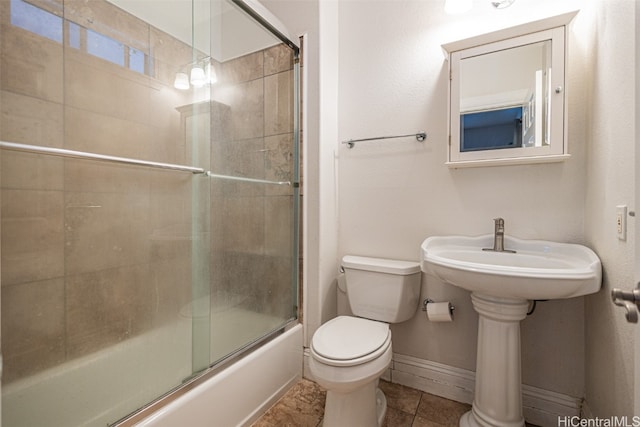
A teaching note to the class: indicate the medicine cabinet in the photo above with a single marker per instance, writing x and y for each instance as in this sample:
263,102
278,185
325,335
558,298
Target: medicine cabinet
507,95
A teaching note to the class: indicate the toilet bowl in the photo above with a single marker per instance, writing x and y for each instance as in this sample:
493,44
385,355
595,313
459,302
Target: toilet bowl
347,359
349,354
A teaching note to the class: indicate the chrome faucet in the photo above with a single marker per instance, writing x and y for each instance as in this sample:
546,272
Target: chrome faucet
498,237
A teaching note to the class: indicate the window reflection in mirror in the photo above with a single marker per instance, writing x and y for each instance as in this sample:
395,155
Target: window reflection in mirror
489,130
504,98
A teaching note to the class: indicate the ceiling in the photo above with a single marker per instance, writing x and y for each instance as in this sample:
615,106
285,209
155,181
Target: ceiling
218,27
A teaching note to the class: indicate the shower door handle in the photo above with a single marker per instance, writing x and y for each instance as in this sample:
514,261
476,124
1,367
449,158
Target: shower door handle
630,300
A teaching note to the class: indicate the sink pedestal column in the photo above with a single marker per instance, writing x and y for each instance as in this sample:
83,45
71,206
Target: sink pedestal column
498,396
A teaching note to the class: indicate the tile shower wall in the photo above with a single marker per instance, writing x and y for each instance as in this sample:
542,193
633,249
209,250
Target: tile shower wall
93,254
252,240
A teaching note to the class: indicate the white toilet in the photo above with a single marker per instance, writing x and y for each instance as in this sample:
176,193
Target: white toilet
349,354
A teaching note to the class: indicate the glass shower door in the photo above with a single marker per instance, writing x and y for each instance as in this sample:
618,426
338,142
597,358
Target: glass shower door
254,180
122,279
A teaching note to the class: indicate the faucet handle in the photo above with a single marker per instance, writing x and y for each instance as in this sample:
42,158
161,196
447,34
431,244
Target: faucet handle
498,220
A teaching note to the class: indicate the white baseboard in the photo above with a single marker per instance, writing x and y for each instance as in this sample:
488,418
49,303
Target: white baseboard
586,411
540,407
435,378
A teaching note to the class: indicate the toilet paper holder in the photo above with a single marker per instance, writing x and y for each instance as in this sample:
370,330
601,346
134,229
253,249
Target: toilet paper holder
429,300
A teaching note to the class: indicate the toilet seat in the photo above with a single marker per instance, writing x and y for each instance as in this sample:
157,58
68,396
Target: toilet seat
350,341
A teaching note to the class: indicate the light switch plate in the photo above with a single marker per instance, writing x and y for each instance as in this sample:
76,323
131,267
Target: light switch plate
621,221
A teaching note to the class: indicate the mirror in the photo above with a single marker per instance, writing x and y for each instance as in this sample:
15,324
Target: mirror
507,97
504,99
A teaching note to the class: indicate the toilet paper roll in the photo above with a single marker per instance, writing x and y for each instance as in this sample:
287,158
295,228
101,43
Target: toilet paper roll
440,311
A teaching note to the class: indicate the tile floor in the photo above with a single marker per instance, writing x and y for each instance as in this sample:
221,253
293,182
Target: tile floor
303,406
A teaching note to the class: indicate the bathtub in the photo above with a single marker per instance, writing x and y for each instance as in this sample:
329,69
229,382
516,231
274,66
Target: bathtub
76,393
239,394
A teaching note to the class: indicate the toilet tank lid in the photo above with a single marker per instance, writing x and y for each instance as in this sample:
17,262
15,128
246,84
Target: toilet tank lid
381,265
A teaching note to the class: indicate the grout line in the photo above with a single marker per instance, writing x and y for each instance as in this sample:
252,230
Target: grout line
415,412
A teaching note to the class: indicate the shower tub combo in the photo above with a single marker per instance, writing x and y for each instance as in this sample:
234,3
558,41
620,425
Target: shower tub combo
221,395
150,212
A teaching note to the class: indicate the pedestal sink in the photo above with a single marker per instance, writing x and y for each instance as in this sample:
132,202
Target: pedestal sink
501,286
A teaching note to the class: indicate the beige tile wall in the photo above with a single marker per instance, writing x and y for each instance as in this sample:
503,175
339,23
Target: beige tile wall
94,253
254,258
91,253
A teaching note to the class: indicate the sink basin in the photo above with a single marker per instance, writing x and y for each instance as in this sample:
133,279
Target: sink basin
501,283
538,270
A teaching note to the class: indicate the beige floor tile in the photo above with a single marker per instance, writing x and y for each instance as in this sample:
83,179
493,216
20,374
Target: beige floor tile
397,418
400,397
440,410
303,406
423,422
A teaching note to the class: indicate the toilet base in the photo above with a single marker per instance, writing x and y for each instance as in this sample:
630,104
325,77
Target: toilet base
381,406
366,406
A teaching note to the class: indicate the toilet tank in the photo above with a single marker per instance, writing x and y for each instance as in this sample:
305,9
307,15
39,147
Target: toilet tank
382,289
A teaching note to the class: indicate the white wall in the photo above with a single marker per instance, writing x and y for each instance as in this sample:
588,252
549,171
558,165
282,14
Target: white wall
636,399
610,182
392,195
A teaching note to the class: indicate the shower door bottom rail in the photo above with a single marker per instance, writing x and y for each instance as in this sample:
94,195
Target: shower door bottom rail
61,152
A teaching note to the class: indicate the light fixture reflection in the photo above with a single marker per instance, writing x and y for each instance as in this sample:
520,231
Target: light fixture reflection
181,82
453,7
202,72
198,78
210,73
